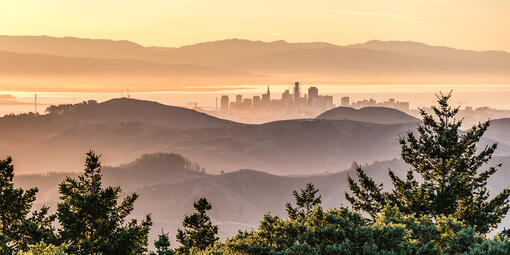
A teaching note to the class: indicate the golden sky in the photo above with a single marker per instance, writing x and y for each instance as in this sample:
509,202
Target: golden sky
467,24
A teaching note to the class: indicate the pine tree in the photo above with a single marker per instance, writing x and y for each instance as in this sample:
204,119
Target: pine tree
44,249
306,201
445,177
162,245
17,228
198,232
92,221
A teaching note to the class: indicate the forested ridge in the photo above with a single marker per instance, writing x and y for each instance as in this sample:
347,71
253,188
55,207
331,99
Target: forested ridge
442,206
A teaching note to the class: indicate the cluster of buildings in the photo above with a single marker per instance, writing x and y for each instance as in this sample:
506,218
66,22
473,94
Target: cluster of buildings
294,103
391,103
290,103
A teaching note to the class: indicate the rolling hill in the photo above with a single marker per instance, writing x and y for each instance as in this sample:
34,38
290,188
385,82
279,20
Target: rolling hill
499,130
124,129
167,188
378,115
298,146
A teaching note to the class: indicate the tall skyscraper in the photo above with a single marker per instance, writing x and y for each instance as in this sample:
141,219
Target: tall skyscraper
266,97
239,99
224,103
297,94
313,95
345,101
286,97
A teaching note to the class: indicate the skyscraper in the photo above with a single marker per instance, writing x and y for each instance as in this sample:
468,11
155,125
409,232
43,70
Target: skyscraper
224,103
286,97
266,97
345,102
313,95
297,94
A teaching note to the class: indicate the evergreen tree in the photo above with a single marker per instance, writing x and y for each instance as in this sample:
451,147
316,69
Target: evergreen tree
17,229
44,249
92,221
306,201
445,177
198,232
162,245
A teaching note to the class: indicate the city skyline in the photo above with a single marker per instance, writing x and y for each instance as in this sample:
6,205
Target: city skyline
295,102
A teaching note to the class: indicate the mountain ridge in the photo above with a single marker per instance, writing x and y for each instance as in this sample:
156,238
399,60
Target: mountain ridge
240,61
13,38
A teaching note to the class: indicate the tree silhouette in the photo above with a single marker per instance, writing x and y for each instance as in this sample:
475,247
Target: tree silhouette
447,163
306,201
17,229
162,245
93,221
198,232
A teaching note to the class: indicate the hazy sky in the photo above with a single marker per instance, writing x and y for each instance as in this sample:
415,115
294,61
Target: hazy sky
469,24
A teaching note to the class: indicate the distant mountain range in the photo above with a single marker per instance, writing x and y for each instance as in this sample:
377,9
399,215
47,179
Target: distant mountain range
236,61
124,129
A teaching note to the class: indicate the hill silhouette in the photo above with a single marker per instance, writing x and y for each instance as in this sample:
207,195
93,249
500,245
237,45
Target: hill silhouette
298,146
148,170
125,129
499,130
379,115
237,61
422,49
239,198
110,49
135,110
167,187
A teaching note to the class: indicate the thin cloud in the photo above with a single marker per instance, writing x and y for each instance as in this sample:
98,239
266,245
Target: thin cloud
391,15
464,3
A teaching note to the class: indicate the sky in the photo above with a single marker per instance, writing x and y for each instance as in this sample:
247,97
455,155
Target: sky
466,24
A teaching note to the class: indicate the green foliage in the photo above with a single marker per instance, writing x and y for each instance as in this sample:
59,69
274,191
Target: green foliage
342,231
92,221
44,249
447,164
162,245
505,233
306,201
17,229
199,232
